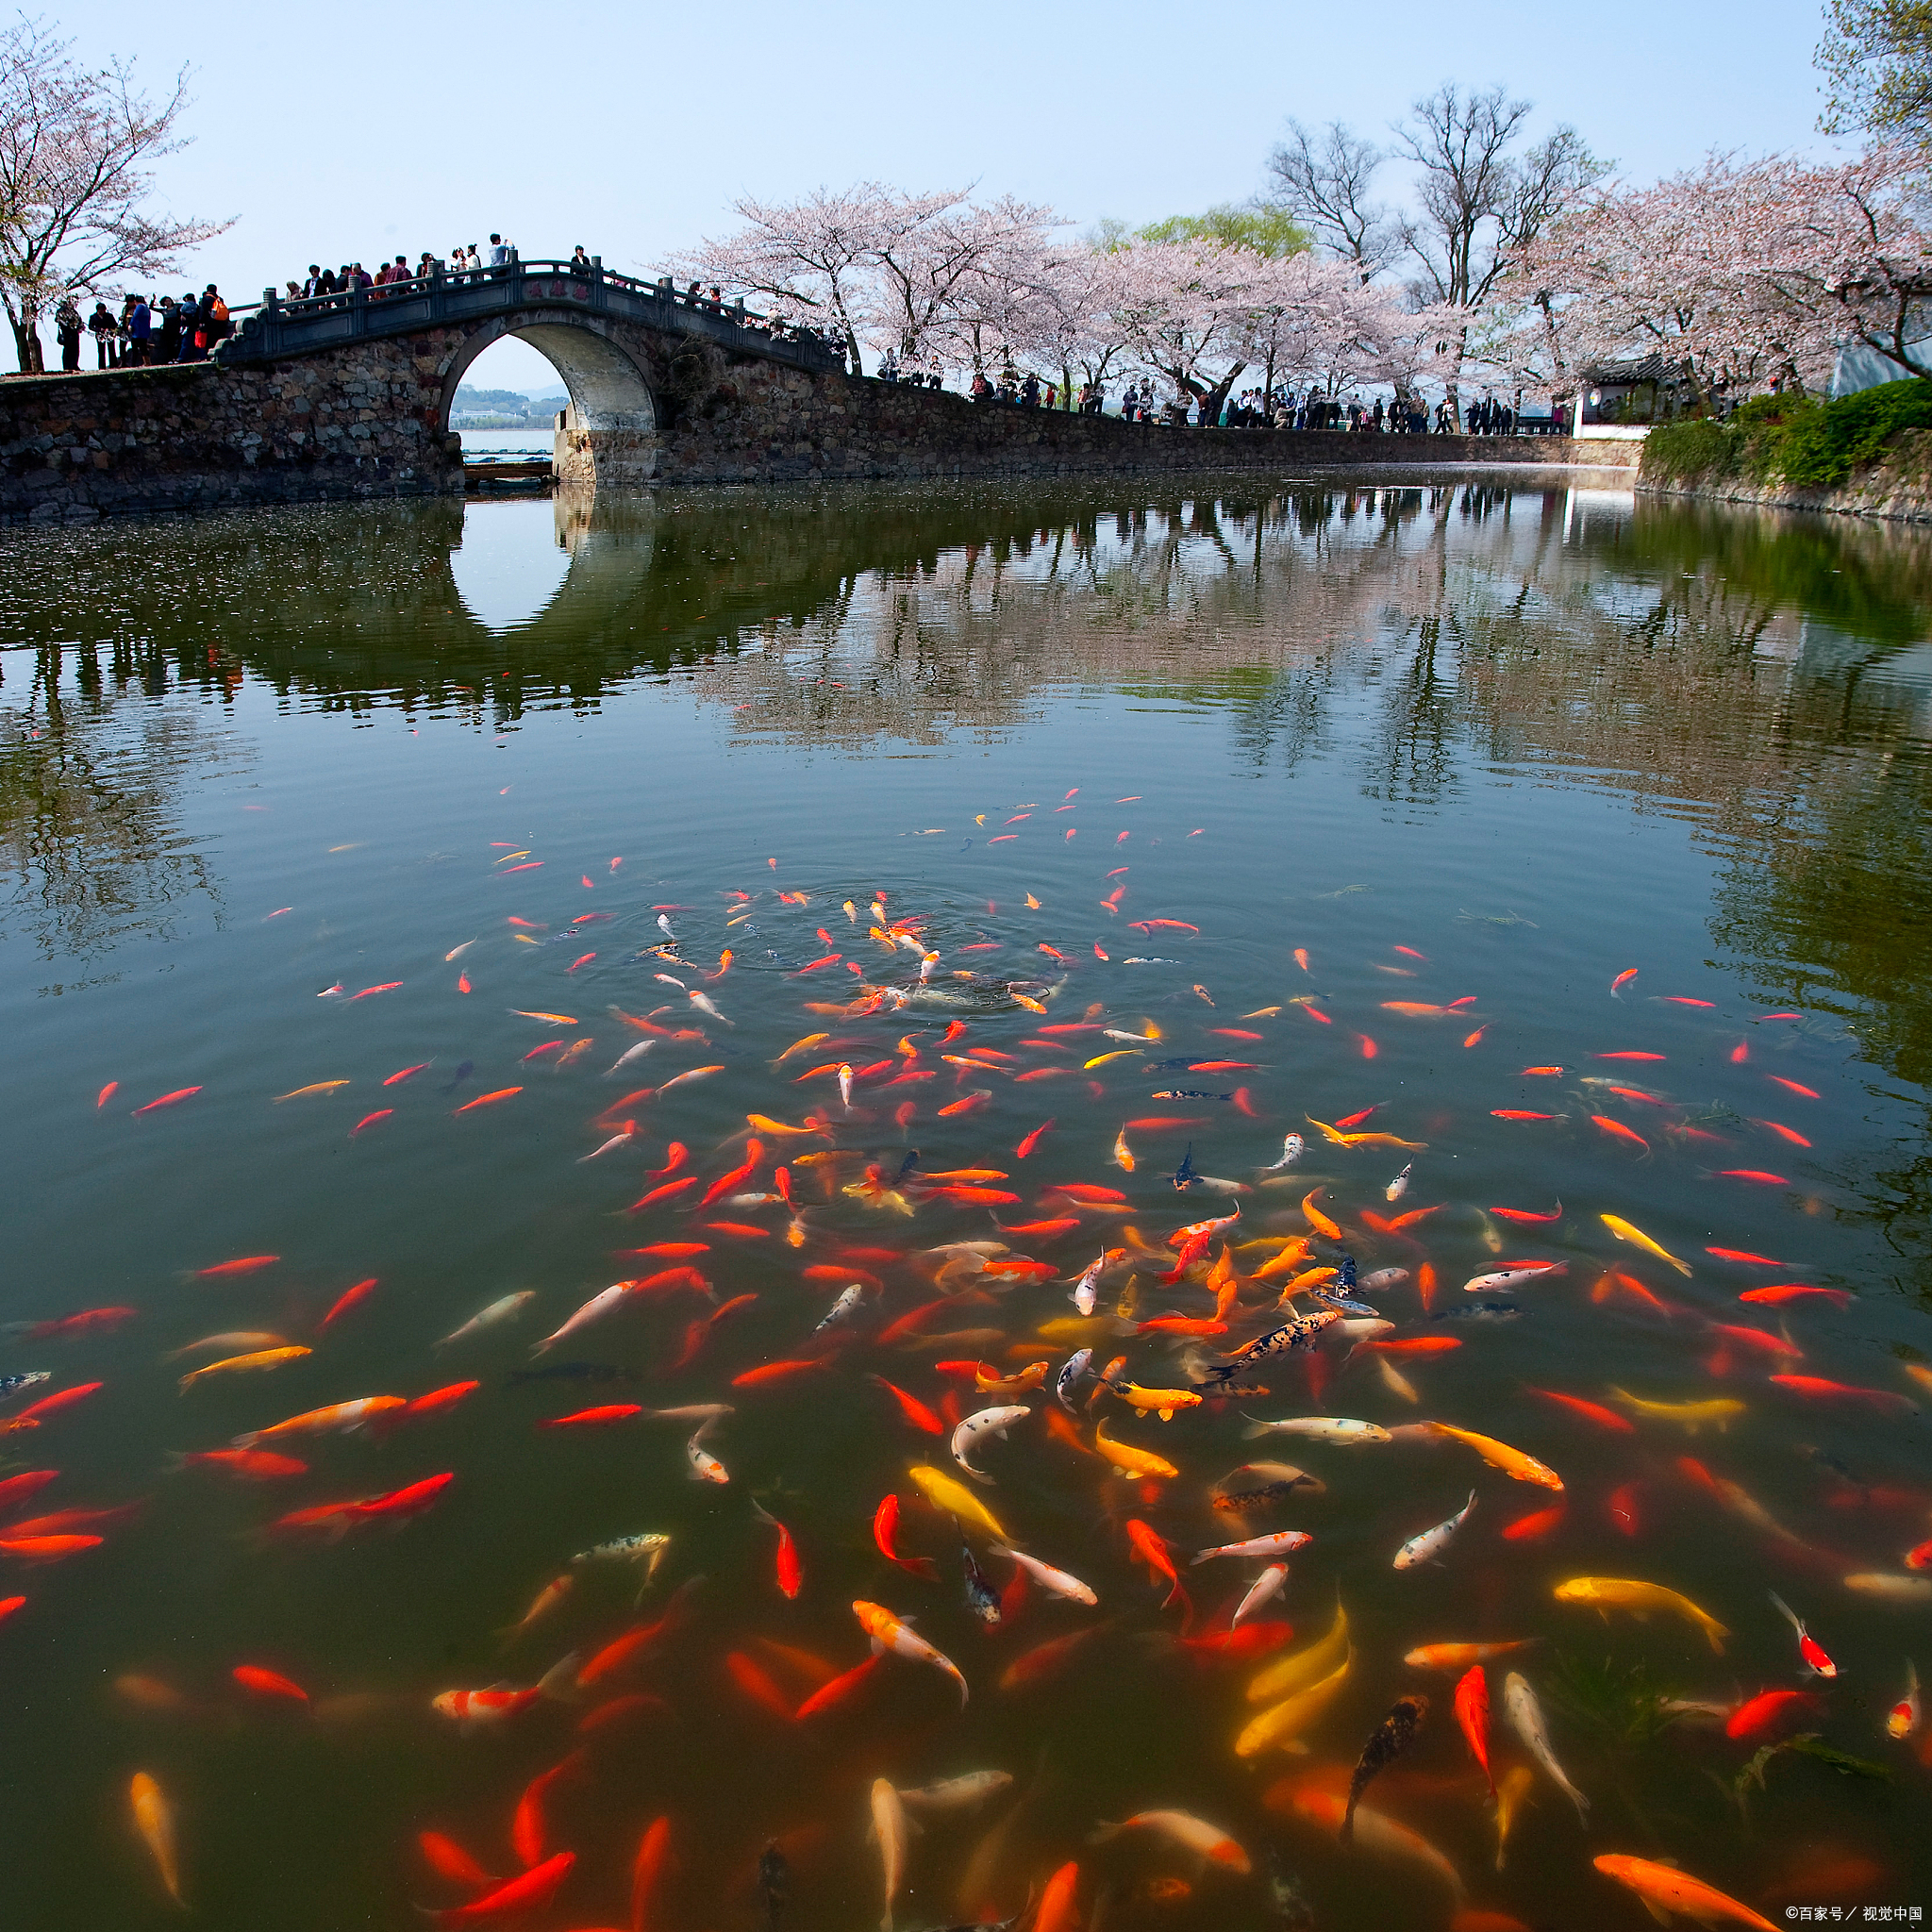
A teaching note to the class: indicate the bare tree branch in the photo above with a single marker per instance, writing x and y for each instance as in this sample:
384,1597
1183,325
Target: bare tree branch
1326,181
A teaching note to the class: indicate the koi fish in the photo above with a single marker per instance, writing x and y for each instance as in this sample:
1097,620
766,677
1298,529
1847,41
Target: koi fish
1389,1739
1663,1890
1428,1546
1606,1594
1809,1648
890,1633
1525,1717
154,1818
1512,1462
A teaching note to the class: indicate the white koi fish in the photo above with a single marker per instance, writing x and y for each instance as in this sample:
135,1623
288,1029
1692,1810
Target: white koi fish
986,1422
1525,1717
1283,1542
1057,1582
1264,1587
1292,1148
1429,1546
593,1310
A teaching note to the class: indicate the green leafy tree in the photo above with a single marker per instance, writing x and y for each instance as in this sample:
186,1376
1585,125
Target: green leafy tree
1262,226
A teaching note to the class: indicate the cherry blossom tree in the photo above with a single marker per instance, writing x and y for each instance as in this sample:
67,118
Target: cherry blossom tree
74,148
932,265
1183,310
1744,272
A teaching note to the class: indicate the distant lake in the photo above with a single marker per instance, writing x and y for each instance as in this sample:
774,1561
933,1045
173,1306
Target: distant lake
506,441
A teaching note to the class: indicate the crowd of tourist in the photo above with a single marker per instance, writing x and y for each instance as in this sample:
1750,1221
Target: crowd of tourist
1252,408
144,331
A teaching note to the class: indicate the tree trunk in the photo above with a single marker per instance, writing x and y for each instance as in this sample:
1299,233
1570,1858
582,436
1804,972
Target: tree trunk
26,346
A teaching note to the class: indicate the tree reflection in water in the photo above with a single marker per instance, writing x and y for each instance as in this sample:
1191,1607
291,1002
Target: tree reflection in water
1739,669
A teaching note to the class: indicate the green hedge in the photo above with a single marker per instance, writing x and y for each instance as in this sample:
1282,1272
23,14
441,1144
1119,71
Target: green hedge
1797,440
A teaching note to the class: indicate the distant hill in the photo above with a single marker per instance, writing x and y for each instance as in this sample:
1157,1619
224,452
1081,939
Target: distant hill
504,408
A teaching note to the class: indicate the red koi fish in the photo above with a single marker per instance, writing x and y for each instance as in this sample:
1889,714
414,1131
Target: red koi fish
788,1568
1471,1707
602,1417
843,1687
1779,1292
449,1860
82,1324
52,1405
1765,1712
1524,1214
260,1683
351,1298
914,1410
529,1893
1589,1411
884,1533
1819,1389
174,1099
1152,1550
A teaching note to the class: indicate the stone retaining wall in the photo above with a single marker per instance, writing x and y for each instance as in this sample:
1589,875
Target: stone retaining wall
1898,486
367,420
194,436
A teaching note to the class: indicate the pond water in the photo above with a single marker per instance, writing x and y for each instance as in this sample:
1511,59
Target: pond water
1574,852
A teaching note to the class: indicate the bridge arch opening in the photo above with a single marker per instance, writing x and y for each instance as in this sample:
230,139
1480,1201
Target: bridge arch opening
612,425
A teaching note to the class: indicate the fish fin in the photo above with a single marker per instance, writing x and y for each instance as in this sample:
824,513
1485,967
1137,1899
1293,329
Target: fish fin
1655,1911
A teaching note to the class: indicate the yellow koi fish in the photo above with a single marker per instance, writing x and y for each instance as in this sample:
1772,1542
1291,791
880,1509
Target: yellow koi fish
1306,1665
1129,1461
154,1817
1692,1415
1512,1462
1512,1788
262,1358
1160,1401
302,1092
1607,1593
1638,1239
1282,1726
957,1500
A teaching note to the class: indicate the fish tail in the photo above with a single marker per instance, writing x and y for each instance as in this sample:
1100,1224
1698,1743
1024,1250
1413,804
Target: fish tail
559,1682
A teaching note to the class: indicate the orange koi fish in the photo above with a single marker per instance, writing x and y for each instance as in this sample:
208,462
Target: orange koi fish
485,1100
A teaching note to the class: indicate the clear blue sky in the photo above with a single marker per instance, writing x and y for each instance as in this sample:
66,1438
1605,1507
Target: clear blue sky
359,130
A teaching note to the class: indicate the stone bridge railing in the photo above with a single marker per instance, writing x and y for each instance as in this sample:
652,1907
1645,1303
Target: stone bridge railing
281,328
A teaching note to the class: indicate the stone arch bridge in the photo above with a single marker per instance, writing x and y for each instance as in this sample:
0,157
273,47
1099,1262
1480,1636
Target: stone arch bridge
637,357
349,397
